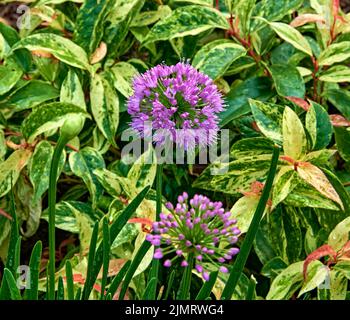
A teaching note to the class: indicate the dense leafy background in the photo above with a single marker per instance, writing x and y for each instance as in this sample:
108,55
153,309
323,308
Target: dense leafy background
283,66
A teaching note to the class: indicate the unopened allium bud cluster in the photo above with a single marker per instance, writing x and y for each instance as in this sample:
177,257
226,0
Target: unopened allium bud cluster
176,97
195,226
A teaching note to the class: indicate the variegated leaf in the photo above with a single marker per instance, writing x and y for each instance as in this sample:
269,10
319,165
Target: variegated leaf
104,107
90,22
318,126
185,21
336,74
123,74
292,36
251,147
339,235
294,139
143,171
237,176
71,90
305,18
316,275
10,73
283,185
268,118
62,48
11,168
273,10
82,164
215,58
243,210
291,86
32,94
336,52
47,117
39,168
287,282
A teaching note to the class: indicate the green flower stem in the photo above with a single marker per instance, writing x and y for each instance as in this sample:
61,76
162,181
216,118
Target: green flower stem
253,229
184,291
155,263
62,141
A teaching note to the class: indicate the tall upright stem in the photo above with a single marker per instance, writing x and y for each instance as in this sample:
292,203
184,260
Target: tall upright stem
151,295
185,286
52,203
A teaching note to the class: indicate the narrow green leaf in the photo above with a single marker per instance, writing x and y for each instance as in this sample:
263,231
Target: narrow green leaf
106,251
115,229
69,280
169,285
12,285
238,266
89,281
149,290
133,266
31,293
60,289
207,287
118,279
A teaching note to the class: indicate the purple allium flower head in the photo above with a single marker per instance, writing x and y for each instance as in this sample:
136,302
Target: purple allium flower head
179,102
210,247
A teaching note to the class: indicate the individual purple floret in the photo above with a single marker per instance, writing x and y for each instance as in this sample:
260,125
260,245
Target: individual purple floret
197,227
179,102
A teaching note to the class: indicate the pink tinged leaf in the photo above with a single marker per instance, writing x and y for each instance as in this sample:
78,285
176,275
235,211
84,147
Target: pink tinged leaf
306,18
257,187
315,176
323,251
99,53
344,253
339,121
141,220
300,102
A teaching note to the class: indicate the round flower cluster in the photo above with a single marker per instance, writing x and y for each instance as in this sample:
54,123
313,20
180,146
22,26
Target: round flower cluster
179,102
195,227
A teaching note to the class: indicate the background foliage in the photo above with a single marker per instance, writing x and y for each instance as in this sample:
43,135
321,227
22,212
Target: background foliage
283,66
